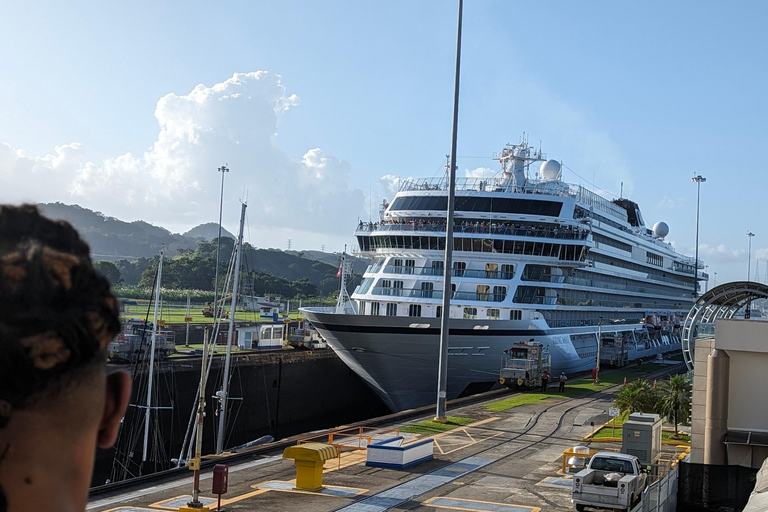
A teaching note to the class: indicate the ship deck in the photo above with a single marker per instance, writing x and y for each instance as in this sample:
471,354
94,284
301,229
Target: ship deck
504,461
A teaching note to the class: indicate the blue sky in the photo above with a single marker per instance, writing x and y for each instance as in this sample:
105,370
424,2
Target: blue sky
646,94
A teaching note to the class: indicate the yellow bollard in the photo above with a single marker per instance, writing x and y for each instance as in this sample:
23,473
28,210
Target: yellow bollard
309,459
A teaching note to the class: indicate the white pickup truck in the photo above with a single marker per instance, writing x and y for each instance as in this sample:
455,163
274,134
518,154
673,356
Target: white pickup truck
611,481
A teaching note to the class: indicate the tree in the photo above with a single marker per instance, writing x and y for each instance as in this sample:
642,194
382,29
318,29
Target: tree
110,271
637,396
674,399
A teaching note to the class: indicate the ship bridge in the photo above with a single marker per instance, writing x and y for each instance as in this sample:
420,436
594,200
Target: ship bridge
722,301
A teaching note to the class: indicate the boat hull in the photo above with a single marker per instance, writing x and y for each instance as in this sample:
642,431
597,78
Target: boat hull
398,356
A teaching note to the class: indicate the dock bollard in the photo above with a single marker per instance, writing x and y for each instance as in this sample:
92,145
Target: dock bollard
309,459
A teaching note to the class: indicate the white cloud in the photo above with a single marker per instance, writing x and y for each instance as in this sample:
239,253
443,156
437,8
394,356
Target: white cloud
721,254
175,181
479,172
670,202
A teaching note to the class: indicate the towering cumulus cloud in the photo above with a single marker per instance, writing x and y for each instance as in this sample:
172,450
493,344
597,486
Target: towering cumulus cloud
175,181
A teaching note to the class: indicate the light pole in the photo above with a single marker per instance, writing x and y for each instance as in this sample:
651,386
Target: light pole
223,169
747,312
698,179
749,256
706,285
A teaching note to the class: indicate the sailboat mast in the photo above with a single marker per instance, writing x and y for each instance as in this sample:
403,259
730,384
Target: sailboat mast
152,360
224,395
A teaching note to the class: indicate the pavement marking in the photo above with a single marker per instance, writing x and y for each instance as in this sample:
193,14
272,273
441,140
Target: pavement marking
390,498
477,505
560,483
328,490
171,485
181,501
130,509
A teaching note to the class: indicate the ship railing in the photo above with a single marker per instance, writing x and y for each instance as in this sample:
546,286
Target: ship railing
438,294
434,271
566,233
500,184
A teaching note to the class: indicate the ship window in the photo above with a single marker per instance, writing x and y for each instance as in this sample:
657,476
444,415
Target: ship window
385,283
499,293
515,314
391,309
507,271
397,288
362,307
492,314
427,289
374,309
414,310
483,292
438,311
365,285
479,204
470,312
409,266
437,267
458,268
397,266
654,259
491,270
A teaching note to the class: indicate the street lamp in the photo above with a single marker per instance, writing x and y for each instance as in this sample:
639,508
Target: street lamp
747,312
698,179
223,169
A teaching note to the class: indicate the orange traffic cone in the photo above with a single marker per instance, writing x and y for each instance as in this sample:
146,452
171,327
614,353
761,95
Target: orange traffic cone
625,381
654,383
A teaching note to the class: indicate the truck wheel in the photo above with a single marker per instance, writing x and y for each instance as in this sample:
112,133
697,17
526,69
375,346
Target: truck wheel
580,508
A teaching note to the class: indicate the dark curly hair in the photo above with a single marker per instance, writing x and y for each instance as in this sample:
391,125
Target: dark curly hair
57,312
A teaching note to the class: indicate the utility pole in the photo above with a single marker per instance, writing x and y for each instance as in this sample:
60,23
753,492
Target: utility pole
289,244
442,373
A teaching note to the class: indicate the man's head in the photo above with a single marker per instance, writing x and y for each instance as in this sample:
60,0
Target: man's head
57,316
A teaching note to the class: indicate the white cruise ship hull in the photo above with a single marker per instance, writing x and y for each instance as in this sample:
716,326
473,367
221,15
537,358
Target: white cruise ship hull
398,356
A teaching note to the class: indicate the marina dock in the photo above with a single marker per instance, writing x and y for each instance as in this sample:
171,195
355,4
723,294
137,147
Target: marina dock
505,460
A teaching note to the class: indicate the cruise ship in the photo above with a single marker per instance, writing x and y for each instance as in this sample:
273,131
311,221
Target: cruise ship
533,258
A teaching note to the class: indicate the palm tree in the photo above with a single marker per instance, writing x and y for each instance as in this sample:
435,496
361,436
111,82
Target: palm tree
637,396
674,400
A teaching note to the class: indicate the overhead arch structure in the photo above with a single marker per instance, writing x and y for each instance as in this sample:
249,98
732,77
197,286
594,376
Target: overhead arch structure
722,301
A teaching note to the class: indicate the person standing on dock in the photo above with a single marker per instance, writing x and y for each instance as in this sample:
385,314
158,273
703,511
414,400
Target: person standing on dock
57,402
563,378
544,381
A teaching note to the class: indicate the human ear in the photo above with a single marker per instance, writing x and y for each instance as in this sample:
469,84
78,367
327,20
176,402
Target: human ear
118,391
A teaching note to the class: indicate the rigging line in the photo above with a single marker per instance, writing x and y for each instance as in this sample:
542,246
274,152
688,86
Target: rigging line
139,360
592,183
192,424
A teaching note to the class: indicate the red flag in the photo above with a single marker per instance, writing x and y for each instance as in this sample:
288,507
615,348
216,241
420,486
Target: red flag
338,274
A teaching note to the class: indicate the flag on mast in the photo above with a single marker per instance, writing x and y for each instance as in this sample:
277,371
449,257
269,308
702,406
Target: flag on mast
338,274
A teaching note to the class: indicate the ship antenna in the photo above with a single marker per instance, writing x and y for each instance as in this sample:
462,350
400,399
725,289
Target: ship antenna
621,193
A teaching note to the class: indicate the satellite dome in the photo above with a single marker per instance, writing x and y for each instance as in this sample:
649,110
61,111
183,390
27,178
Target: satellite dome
660,229
550,170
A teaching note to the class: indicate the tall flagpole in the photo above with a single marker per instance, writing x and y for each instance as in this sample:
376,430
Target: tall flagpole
442,375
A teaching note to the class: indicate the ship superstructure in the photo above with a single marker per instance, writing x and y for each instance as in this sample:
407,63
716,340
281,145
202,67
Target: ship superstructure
533,257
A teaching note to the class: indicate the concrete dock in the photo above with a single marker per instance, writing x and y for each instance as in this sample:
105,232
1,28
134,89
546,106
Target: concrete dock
504,461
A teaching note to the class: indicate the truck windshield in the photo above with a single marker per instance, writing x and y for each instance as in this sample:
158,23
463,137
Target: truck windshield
605,464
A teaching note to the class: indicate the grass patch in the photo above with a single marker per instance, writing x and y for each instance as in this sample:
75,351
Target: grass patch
578,388
608,432
430,427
